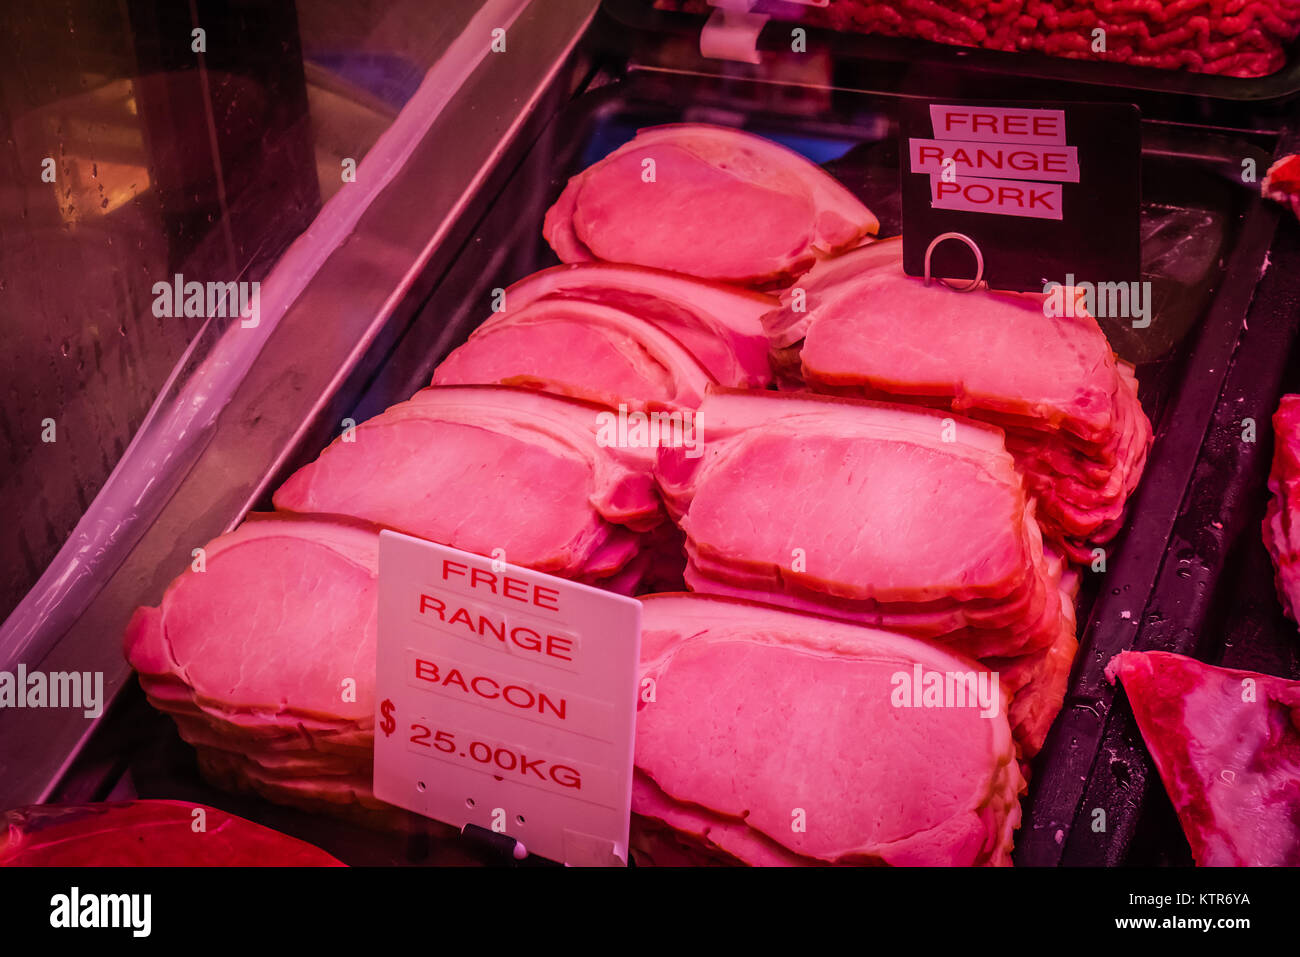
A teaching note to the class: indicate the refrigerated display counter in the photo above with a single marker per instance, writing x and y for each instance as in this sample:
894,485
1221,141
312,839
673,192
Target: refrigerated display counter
414,159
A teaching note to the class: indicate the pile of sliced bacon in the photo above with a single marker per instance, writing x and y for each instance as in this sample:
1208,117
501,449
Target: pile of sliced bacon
857,324
886,515
634,385
779,738
263,654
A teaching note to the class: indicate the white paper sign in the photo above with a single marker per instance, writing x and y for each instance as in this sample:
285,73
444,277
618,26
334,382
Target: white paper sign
506,698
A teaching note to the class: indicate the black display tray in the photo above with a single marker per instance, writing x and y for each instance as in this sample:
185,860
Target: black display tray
1207,236
1214,597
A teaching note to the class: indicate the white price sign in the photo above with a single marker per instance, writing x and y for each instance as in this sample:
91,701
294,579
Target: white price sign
506,698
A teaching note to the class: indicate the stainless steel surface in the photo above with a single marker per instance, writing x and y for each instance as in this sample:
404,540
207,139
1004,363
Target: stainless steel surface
326,311
165,160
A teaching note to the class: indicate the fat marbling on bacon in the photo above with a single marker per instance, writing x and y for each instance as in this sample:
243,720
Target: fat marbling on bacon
709,201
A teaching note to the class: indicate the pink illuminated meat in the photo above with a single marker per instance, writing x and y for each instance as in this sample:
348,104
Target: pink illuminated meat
1227,746
708,201
265,659
617,335
721,325
890,516
483,469
146,834
582,349
802,725
858,325
1282,518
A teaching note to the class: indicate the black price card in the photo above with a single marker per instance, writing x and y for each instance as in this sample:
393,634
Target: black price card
1049,192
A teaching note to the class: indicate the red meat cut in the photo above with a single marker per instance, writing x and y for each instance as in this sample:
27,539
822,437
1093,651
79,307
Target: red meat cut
708,201
720,324
1282,518
762,717
866,507
617,335
1227,746
146,834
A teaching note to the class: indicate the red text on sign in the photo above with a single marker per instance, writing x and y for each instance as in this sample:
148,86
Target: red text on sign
498,757
482,625
517,696
504,585
998,123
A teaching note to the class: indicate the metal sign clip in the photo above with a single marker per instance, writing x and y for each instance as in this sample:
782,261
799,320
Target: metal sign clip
974,247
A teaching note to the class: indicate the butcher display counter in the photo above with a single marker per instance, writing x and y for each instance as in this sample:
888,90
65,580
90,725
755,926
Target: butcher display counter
448,206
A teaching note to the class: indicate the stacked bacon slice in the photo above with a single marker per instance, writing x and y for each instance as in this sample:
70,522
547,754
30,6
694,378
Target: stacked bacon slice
891,516
509,473
778,738
1282,518
264,656
897,515
707,201
617,335
858,325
